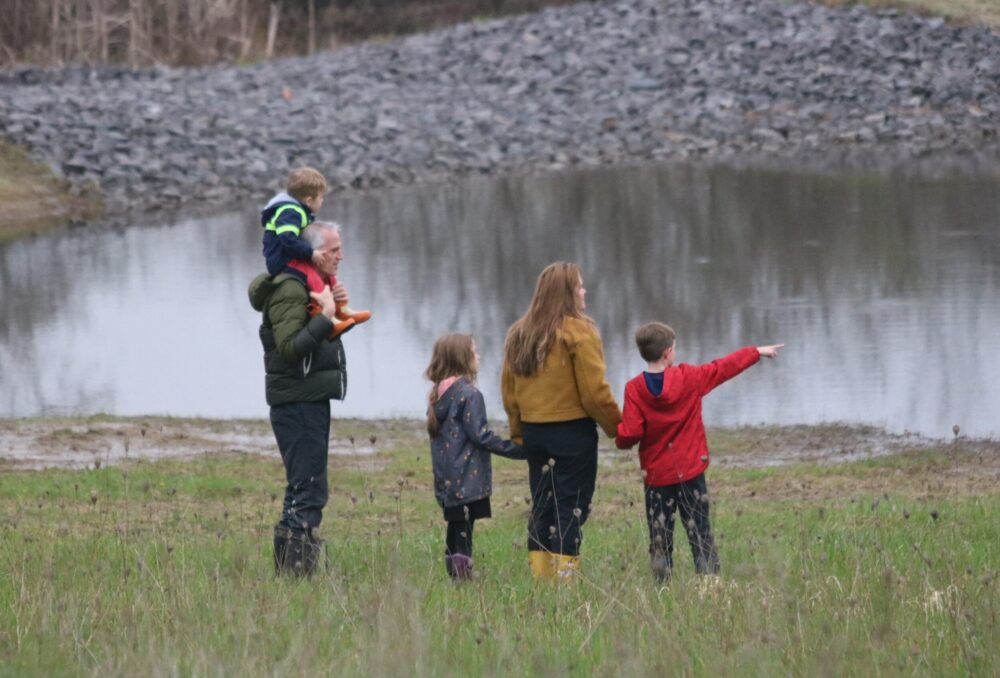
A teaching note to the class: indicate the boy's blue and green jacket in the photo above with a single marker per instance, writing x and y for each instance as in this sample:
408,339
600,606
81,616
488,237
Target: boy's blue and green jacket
284,218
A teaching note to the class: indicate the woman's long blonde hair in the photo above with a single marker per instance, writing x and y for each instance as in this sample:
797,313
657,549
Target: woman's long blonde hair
452,356
530,338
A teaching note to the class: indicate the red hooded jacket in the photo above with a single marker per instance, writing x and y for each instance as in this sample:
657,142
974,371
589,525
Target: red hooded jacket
668,427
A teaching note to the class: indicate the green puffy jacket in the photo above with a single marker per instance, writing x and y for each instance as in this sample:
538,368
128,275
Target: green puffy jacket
300,362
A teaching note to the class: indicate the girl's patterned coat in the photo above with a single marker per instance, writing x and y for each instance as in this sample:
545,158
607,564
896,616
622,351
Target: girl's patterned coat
461,451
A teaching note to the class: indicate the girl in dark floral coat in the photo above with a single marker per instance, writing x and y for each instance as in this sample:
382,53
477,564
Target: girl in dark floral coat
461,444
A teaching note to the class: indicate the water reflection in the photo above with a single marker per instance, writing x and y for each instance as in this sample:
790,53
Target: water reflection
887,291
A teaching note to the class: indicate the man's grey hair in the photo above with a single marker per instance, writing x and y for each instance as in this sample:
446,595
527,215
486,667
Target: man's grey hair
314,234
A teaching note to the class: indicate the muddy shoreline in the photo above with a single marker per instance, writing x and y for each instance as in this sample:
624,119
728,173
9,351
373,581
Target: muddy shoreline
93,442
736,81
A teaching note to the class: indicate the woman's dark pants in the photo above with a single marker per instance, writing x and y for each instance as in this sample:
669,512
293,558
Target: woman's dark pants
561,493
690,499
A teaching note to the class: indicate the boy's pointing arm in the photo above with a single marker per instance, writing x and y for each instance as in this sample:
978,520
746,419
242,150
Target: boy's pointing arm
723,369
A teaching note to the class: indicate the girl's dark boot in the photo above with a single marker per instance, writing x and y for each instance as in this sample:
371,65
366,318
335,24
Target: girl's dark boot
459,566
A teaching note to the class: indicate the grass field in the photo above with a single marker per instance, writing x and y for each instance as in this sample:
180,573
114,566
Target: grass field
886,566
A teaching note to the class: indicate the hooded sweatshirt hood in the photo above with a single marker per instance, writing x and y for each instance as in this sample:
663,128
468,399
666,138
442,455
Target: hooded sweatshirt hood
280,197
443,404
263,286
445,384
673,388
260,290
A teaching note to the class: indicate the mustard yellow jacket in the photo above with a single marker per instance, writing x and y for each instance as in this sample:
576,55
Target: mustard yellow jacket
570,385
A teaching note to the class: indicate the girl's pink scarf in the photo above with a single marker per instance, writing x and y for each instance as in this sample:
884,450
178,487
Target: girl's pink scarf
445,385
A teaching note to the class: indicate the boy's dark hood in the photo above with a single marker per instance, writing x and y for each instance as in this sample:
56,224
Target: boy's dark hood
673,384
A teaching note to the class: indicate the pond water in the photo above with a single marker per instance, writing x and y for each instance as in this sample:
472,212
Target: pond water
885,289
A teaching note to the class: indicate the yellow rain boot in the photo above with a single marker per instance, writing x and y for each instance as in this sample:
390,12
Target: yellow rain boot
565,567
346,313
541,565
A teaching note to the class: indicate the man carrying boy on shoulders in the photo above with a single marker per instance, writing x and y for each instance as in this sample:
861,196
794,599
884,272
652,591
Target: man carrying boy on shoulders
305,368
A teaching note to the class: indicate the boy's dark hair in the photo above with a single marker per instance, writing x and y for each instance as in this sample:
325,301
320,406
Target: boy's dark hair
305,182
653,339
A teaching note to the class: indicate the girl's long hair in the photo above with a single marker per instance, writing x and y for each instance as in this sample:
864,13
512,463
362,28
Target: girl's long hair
530,338
452,356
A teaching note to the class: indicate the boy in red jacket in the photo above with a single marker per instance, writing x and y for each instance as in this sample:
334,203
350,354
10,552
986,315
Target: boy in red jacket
662,412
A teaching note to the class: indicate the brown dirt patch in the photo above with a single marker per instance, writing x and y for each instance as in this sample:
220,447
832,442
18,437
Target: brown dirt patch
901,464
744,461
87,443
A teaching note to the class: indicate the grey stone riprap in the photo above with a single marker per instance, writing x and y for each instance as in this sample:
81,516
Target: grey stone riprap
602,82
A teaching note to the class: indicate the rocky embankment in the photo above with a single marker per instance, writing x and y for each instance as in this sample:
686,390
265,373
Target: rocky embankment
593,83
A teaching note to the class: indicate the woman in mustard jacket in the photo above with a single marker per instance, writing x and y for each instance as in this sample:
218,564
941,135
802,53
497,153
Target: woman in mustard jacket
555,394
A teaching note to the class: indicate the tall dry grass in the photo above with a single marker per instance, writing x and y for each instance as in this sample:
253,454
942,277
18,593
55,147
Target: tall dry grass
192,32
129,32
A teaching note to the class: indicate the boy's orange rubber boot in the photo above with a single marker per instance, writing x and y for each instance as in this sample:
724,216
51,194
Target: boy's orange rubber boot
342,326
346,313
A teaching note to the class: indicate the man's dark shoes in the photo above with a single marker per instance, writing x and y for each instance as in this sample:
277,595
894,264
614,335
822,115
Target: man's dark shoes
296,553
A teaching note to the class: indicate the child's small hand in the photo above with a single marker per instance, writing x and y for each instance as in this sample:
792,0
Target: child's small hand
328,306
769,351
340,293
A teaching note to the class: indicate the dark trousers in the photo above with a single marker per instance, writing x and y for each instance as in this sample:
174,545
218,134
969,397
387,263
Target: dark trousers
690,499
303,434
458,538
561,492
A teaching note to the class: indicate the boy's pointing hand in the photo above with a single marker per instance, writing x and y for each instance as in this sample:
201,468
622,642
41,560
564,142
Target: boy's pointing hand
769,351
